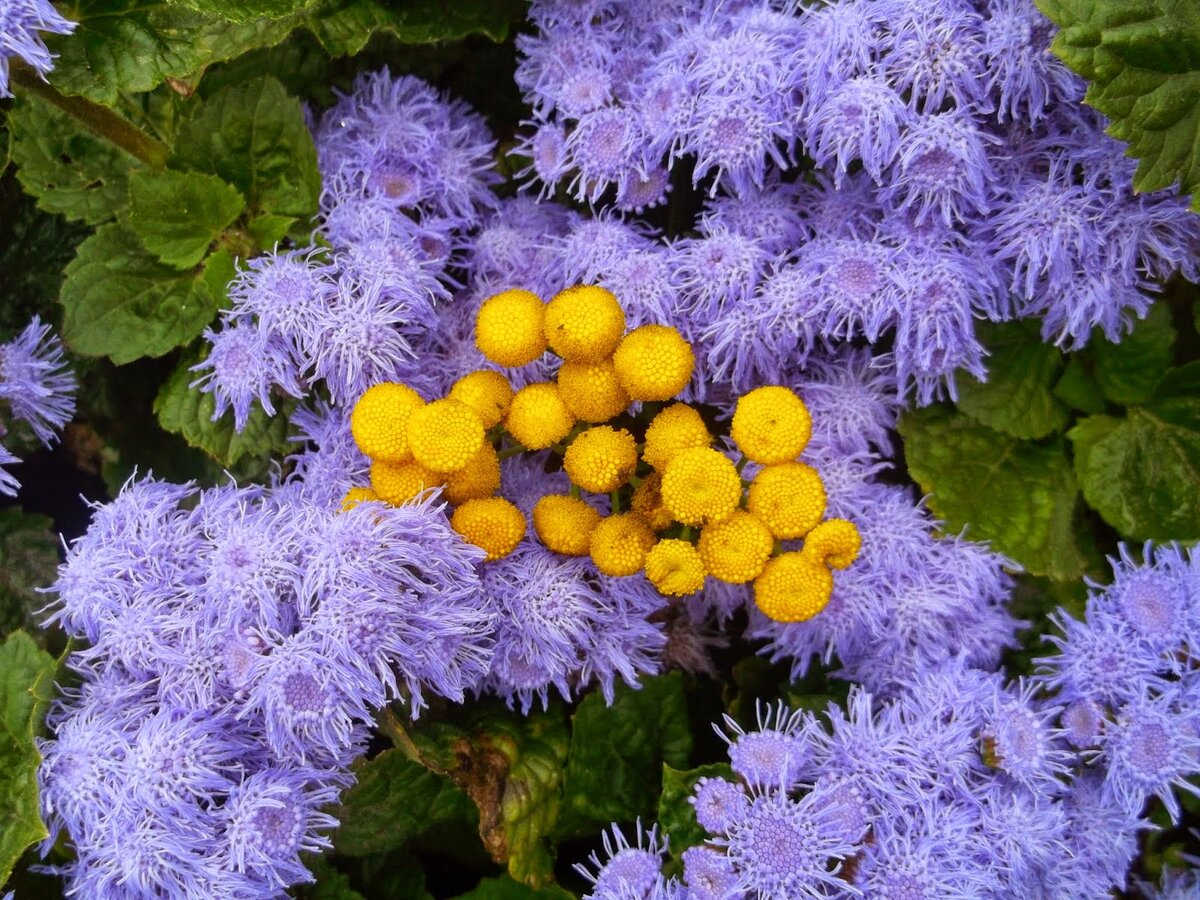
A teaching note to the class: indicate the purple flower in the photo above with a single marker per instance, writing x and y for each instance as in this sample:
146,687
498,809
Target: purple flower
34,379
860,120
20,22
245,364
718,803
628,869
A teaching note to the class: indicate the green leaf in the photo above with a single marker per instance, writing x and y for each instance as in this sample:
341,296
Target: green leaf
69,169
189,412
25,672
122,303
504,888
344,27
1142,60
675,814
1078,387
1129,372
177,215
247,10
29,549
1142,472
331,884
1018,396
253,136
394,800
268,230
614,768
1019,495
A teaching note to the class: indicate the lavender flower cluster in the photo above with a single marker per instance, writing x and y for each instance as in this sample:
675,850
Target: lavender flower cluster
960,785
236,641
20,22
38,389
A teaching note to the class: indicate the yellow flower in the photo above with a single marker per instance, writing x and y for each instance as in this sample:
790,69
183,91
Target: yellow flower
592,390
444,435
509,328
397,483
584,323
601,459
793,588
379,420
565,524
674,567
647,502
835,542
477,479
771,425
700,486
789,498
538,417
493,524
654,362
619,544
486,392
678,427
357,495
735,550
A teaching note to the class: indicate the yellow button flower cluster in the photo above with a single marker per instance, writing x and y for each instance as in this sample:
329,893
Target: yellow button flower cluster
679,510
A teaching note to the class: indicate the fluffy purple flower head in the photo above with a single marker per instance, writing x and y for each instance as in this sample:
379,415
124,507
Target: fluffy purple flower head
774,754
709,874
718,803
34,379
246,363
860,120
20,22
1026,78
627,869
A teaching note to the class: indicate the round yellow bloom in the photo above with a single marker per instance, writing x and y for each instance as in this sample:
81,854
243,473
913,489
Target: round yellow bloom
509,328
380,419
397,483
619,544
477,479
771,425
654,362
674,567
678,427
601,459
735,550
789,498
647,502
538,417
444,435
565,524
701,486
793,588
835,542
486,392
584,323
493,524
357,495
592,390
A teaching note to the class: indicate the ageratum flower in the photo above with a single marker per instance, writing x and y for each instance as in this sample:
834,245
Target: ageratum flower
20,22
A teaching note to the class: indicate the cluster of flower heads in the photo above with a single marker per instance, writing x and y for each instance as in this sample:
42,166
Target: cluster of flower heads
406,174
20,22
956,175
37,388
235,643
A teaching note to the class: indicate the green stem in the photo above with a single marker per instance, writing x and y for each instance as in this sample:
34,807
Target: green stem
741,463
686,534
615,499
390,725
575,492
511,451
96,118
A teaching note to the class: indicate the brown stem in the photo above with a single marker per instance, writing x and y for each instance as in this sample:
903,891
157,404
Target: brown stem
96,118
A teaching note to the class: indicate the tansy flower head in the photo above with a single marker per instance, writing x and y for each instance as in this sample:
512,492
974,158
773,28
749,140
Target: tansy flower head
565,524
357,495
601,459
735,550
675,568
479,478
700,486
397,483
647,502
771,425
793,588
509,328
592,390
834,542
678,427
493,524
584,323
379,421
444,435
486,392
788,498
654,362
619,544
538,417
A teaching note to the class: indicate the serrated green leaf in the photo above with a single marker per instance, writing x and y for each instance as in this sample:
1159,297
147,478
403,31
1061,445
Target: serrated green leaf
1018,396
1020,495
247,10
29,551
1142,61
504,888
344,26
1142,472
24,673
189,412
1129,372
253,136
219,270
614,766
68,169
120,302
1078,387
177,215
35,247
268,230
676,815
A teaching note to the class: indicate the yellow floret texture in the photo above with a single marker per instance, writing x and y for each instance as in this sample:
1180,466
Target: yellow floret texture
565,524
835,542
397,483
584,323
493,524
380,418
793,588
444,435
357,495
674,567
592,390
509,328
537,417
601,459
619,544
647,502
486,392
477,479
678,427
771,425
735,550
789,498
654,362
700,486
